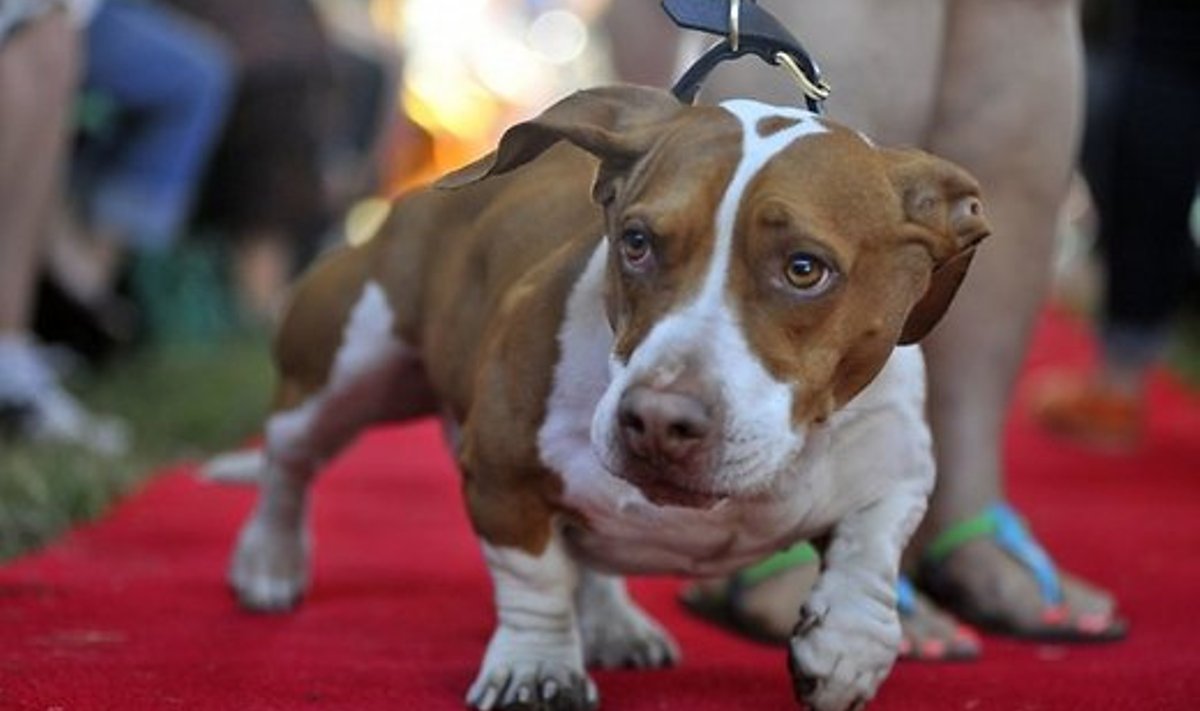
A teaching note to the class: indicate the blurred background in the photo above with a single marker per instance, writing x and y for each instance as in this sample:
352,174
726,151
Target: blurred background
289,128
192,156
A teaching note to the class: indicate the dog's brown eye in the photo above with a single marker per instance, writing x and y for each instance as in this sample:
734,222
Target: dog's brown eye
635,247
807,272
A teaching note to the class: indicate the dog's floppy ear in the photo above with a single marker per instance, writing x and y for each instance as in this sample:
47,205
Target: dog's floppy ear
941,201
614,123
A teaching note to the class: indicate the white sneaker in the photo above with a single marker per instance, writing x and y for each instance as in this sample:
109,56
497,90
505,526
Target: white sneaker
34,405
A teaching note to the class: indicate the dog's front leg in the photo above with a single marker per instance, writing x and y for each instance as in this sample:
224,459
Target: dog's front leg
535,657
849,635
849,631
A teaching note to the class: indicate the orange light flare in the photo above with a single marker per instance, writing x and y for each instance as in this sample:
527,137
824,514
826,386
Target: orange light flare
473,67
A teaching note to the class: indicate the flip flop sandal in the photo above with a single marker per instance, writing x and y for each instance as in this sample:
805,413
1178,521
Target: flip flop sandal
1001,524
725,608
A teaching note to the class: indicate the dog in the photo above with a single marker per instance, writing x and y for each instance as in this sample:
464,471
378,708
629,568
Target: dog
663,338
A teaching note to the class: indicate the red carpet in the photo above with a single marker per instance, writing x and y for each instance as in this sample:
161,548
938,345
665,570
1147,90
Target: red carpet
132,613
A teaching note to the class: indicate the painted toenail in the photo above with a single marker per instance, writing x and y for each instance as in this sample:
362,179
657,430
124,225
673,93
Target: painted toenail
1055,615
933,649
1093,623
966,635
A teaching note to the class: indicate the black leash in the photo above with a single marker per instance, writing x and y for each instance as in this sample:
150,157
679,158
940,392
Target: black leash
745,28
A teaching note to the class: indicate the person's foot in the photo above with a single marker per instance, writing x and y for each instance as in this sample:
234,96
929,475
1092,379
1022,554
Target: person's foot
1088,410
930,634
766,609
34,405
1000,580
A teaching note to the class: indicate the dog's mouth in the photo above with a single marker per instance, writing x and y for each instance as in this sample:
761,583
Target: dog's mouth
662,483
663,492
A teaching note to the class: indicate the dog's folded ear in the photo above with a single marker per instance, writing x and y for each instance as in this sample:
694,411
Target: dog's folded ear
615,123
941,201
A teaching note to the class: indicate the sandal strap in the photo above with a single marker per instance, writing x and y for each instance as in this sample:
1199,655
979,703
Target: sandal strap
906,595
803,553
1006,527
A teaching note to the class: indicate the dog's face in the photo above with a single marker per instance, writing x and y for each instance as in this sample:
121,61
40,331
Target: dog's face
762,264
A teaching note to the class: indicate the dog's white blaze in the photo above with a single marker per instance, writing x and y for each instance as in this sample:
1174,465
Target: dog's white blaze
368,347
757,151
759,438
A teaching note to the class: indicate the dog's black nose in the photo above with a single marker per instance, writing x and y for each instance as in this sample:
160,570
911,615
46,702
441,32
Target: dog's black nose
663,426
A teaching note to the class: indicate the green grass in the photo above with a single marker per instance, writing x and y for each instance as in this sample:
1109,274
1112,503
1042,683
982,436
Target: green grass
181,402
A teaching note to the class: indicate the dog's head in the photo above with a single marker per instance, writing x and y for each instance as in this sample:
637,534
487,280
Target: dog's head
762,264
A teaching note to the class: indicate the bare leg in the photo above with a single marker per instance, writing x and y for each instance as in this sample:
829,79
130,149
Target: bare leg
262,266
37,77
1018,137
884,81
37,82
643,40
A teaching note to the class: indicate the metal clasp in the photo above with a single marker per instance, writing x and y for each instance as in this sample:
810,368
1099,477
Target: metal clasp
816,91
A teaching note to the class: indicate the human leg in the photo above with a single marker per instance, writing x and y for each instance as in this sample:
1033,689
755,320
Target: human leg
37,82
885,84
175,79
1018,137
1143,176
37,77
643,41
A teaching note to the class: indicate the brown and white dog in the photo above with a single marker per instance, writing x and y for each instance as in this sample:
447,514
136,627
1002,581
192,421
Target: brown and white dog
663,339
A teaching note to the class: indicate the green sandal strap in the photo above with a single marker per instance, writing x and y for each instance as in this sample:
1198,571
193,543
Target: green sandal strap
953,538
801,554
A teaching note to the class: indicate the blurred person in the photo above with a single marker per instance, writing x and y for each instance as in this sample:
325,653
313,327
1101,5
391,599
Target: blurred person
38,57
168,82
993,85
367,70
266,189
1141,158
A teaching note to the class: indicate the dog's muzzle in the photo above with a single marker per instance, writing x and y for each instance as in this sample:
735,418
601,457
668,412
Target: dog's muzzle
669,440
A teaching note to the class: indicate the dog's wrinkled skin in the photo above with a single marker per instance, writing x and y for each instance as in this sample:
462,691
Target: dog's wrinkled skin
698,372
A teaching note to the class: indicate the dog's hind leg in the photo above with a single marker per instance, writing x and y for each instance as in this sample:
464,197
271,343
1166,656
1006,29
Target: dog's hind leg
370,375
616,632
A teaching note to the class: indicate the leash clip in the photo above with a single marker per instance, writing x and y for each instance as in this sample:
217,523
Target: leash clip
745,28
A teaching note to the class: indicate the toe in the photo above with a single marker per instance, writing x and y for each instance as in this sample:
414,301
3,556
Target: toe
929,634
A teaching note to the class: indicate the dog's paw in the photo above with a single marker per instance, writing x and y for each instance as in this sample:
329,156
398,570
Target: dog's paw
269,571
841,653
533,669
620,635
530,685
